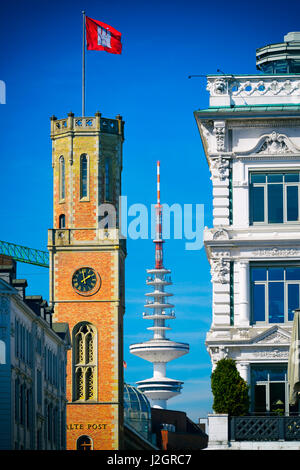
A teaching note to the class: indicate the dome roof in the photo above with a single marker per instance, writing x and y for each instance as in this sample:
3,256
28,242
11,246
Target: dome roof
280,57
136,401
137,410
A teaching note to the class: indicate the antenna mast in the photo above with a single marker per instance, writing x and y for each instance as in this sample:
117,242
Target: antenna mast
158,234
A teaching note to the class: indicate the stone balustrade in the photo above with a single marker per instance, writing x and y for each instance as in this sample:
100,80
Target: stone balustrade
87,124
242,90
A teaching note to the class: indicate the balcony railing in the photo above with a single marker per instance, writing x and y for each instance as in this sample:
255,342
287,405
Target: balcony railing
264,428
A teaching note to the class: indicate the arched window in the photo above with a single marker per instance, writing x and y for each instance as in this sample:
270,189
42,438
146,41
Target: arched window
62,221
62,177
85,362
83,176
84,443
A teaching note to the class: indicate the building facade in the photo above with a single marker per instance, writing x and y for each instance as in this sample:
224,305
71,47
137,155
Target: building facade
33,355
251,138
87,257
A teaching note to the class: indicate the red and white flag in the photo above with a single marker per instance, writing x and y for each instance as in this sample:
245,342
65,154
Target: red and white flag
102,37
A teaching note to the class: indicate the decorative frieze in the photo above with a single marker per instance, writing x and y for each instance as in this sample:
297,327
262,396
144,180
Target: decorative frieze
276,252
241,90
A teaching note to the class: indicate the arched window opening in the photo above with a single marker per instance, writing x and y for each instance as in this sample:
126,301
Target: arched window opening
84,443
85,362
62,182
83,176
89,381
79,383
62,221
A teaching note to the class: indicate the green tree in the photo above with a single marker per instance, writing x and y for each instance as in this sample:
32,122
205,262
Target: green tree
230,391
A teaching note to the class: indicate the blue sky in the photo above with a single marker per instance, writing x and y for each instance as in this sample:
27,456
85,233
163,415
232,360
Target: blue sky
163,43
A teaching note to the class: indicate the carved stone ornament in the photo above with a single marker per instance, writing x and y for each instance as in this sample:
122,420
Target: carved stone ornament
274,252
220,270
272,144
221,234
275,143
220,168
219,132
256,87
276,338
272,354
218,352
217,87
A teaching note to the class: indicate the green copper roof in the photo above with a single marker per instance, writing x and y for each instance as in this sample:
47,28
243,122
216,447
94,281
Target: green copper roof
253,109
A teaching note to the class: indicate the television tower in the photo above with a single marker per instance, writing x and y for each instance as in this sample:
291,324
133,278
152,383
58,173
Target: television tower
159,350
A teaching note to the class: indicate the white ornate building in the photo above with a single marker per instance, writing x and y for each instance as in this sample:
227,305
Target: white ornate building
251,138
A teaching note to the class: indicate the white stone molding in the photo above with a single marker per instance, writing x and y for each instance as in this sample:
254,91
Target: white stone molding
272,335
219,132
221,234
276,252
206,129
272,354
252,89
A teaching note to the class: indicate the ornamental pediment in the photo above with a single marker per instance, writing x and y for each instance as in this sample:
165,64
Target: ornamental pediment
272,144
274,335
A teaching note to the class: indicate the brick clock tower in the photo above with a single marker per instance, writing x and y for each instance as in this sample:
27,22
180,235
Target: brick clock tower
87,258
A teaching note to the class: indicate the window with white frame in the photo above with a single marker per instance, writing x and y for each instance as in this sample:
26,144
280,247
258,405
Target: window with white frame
274,197
275,292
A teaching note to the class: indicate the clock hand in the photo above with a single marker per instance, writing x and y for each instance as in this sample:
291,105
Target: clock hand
83,280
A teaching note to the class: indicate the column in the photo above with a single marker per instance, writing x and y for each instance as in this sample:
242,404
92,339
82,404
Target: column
244,370
244,293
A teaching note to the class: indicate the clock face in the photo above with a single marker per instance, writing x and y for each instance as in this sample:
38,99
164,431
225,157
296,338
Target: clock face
85,281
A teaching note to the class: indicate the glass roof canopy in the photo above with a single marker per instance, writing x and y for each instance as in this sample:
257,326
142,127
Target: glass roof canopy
137,411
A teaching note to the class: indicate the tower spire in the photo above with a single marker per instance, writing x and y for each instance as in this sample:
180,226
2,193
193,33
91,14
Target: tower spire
158,233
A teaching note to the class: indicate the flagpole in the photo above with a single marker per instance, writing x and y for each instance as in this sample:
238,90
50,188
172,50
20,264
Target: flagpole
83,63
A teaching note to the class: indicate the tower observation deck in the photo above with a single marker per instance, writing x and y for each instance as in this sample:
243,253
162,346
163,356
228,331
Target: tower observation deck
159,350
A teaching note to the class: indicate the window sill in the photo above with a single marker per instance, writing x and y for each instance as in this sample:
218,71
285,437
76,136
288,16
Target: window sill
268,224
